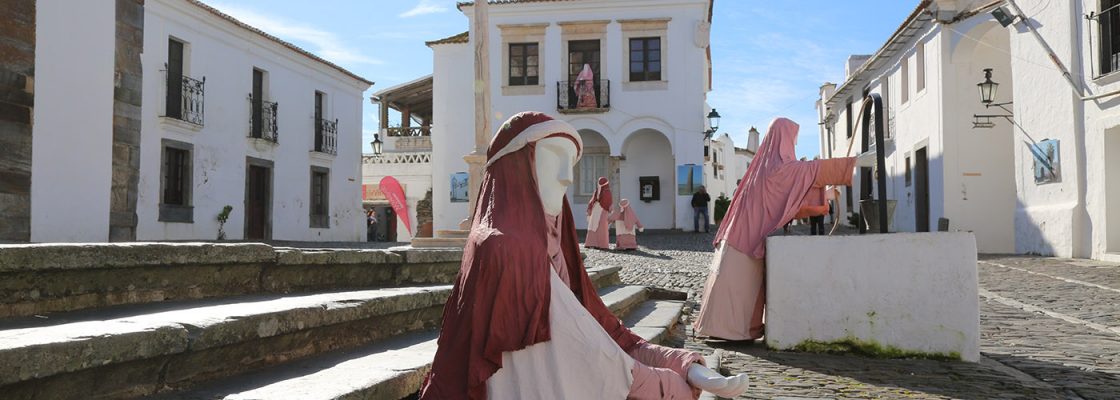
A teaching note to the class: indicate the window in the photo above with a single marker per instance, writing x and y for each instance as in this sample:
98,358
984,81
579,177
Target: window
920,63
175,196
591,167
582,52
320,197
904,87
645,59
174,79
524,64
256,127
1110,36
848,113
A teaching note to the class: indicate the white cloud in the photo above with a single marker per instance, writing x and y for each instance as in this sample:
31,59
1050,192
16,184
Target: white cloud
323,43
424,7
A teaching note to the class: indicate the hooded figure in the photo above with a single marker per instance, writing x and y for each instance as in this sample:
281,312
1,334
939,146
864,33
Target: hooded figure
625,222
774,189
585,88
524,321
598,213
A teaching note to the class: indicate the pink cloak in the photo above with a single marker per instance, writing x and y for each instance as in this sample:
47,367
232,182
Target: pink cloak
502,300
771,193
585,88
598,217
625,222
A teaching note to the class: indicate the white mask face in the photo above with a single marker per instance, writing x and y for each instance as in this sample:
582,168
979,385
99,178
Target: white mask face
555,158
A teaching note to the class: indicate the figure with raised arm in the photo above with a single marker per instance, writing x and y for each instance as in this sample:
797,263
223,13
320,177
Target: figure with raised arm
626,222
598,217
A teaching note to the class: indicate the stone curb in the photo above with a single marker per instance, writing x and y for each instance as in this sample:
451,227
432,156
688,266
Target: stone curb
39,257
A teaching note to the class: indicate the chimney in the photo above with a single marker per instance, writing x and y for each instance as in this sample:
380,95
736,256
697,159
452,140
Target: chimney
752,140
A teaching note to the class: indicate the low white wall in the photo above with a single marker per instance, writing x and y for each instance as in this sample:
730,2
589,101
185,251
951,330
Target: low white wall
913,291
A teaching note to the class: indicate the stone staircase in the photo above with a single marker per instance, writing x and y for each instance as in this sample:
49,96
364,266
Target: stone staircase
239,321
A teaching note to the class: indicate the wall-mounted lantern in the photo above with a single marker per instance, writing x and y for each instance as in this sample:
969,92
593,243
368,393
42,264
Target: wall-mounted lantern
376,144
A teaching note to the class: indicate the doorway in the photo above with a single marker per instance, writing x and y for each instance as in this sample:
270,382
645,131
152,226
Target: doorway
1112,189
580,53
921,190
258,200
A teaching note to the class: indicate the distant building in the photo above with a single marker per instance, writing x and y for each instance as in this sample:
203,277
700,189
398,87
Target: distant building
147,118
641,116
1045,184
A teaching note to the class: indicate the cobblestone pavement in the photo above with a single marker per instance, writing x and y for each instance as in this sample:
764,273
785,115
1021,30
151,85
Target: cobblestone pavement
1050,329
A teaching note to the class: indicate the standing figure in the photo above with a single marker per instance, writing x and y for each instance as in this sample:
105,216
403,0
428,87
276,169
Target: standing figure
598,217
700,201
585,88
625,222
524,320
770,195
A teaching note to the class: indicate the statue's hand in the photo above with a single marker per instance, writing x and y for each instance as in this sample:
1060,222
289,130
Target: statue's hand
706,379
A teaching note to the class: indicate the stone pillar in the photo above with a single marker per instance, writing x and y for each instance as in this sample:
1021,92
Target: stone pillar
17,97
127,90
476,160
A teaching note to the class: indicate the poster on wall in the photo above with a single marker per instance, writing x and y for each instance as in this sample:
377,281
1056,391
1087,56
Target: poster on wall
1047,161
690,177
460,192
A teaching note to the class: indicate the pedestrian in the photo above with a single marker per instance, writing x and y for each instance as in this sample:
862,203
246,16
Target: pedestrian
371,225
700,201
598,217
524,320
773,191
625,224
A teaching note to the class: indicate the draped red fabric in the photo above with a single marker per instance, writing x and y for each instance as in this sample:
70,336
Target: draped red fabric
500,301
602,196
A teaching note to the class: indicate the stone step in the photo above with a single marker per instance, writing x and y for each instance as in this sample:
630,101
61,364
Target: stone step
653,320
391,370
439,242
621,299
157,347
42,279
452,233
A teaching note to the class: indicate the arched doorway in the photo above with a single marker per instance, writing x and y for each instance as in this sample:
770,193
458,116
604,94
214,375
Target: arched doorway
595,162
648,155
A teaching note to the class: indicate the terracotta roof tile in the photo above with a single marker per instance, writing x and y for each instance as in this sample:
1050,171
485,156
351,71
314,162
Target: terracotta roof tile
460,38
279,41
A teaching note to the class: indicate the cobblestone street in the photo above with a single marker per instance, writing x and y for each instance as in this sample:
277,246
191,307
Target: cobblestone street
1050,329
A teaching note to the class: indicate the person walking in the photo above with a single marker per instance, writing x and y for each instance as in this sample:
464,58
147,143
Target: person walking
700,201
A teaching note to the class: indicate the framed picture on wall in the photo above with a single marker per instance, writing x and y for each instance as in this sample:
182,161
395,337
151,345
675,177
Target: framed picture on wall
1047,161
649,188
690,177
460,192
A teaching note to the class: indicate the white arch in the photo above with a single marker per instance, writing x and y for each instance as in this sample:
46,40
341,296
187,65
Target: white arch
641,124
962,48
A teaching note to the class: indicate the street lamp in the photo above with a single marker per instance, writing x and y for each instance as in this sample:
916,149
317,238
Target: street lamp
987,88
377,144
713,123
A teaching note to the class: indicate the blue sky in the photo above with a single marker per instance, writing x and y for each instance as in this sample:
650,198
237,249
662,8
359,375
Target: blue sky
770,57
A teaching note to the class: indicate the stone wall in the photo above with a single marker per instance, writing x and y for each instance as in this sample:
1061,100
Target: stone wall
17,97
126,120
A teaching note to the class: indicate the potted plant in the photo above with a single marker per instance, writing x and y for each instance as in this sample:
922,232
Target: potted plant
722,203
222,218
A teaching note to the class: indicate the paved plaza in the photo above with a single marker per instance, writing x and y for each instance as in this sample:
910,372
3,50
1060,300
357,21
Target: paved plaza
1050,329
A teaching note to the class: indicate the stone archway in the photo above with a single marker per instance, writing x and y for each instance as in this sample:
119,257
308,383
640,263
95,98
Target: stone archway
649,153
595,162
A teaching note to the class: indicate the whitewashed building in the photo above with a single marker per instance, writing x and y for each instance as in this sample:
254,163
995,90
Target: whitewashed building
1034,171
643,120
150,117
726,164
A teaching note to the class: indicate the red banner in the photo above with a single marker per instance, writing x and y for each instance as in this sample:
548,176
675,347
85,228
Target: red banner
395,194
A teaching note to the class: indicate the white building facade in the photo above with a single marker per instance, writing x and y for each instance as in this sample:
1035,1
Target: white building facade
642,120
204,112
1034,172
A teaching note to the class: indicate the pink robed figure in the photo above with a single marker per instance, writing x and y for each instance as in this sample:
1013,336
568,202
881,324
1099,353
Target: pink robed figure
626,222
585,88
524,320
598,217
774,190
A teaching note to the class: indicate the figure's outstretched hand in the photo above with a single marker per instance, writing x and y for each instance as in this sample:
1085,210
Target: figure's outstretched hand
706,379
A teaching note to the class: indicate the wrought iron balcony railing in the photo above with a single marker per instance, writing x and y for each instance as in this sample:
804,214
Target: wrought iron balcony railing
185,99
326,136
583,96
409,131
262,120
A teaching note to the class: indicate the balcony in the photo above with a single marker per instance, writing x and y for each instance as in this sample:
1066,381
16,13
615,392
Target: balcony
185,99
326,136
579,97
262,120
408,131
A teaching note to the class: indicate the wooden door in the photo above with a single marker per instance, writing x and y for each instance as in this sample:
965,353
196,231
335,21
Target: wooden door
921,190
257,202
